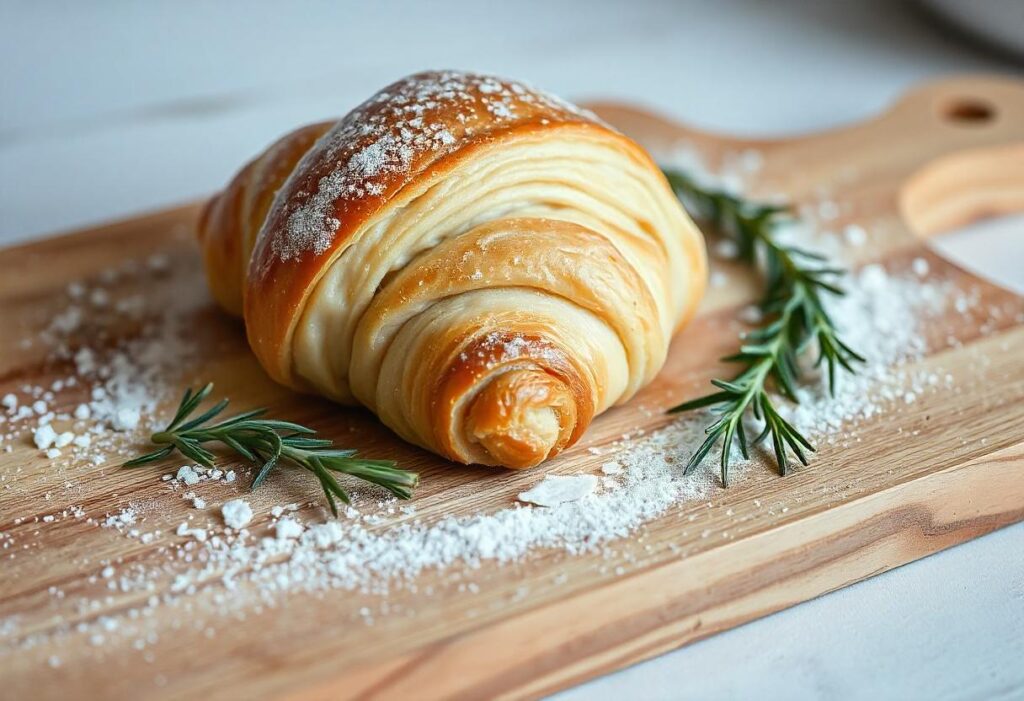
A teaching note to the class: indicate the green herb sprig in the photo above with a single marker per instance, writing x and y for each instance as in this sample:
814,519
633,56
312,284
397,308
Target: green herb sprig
795,320
268,443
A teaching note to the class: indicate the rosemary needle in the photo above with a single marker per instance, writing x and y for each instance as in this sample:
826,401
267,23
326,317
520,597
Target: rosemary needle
268,443
795,320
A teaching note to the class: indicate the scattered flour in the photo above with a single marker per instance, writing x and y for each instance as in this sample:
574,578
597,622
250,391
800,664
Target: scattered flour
855,235
369,553
237,514
44,436
188,475
559,489
612,468
123,519
288,529
114,388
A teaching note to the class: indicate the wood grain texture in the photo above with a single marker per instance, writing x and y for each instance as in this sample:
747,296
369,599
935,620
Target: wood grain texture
942,470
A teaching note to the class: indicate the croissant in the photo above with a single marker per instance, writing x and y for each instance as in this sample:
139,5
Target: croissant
484,266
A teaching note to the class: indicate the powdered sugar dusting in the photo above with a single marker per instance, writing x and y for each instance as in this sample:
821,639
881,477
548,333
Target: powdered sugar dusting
424,114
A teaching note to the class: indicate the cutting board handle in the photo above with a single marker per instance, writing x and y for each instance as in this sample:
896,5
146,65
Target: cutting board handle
944,154
955,190
950,152
932,120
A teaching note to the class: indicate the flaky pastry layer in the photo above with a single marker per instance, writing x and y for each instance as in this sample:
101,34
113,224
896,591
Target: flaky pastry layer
482,265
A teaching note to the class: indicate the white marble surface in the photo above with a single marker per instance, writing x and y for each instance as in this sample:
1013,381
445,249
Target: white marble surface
113,108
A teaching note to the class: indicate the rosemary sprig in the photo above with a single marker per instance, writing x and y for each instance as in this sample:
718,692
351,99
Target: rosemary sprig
795,320
268,443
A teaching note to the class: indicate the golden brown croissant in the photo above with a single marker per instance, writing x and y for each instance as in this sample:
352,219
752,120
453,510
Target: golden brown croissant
484,266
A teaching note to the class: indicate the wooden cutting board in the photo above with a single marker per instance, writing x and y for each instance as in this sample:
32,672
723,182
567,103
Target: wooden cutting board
944,469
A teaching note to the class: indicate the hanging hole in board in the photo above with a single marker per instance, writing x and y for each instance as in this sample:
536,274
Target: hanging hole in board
969,111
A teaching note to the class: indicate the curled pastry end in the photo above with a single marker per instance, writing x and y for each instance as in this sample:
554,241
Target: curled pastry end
513,399
522,417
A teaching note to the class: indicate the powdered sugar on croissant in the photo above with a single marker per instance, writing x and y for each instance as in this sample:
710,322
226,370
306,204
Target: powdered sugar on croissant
484,266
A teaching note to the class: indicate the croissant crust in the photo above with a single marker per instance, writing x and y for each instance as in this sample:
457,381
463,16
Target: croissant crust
483,265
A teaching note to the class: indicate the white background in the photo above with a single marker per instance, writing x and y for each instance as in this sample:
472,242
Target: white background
109,109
